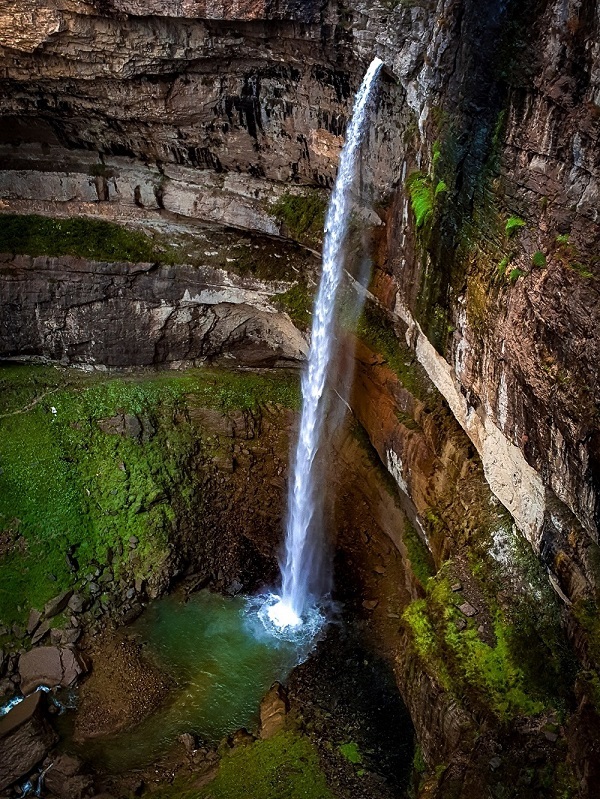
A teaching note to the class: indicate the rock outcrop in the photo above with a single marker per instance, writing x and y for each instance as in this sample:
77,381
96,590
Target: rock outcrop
273,710
81,312
25,739
49,666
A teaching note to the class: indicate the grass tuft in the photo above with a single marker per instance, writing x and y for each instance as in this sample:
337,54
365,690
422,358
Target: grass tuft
513,225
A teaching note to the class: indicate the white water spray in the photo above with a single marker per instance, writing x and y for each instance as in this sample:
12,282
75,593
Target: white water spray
301,571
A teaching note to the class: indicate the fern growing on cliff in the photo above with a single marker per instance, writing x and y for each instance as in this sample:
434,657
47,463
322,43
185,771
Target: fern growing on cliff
421,197
514,224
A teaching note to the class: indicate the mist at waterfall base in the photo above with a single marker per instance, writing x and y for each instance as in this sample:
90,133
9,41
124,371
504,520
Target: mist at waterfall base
299,609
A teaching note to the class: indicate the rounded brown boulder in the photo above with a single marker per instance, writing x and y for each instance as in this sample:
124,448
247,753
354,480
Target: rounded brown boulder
49,666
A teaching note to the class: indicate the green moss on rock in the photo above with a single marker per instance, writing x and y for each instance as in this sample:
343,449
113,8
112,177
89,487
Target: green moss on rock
88,462
283,767
513,225
377,331
422,197
421,559
518,662
84,238
297,301
302,215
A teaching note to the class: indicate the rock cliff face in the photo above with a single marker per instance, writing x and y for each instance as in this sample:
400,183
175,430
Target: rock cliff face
122,315
485,165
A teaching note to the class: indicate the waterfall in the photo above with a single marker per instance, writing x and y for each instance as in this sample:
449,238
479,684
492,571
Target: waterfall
301,584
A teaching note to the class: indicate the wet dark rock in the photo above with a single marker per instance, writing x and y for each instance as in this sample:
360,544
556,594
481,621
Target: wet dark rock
77,603
242,737
131,614
49,666
467,609
18,631
190,742
370,604
65,780
57,604
235,586
123,425
25,738
106,577
72,563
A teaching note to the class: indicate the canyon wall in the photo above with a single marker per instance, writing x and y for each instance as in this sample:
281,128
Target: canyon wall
225,120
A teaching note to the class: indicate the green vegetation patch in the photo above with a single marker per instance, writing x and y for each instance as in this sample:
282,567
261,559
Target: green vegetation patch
68,480
297,301
515,274
351,752
421,559
513,225
84,238
303,216
494,675
539,259
441,187
503,265
581,269
283,767
422,197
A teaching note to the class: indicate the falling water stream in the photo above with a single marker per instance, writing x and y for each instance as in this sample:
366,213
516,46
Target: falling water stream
304,580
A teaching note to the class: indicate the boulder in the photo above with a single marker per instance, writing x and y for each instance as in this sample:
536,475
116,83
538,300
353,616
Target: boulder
467,609
34,619
25,738
64,778
273,710
57,604
76,603
50,666
40,633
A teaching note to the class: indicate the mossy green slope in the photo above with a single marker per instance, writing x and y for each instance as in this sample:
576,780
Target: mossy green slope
283,767
65,482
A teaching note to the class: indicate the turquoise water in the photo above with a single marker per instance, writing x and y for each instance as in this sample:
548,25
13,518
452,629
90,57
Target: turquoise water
223,661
